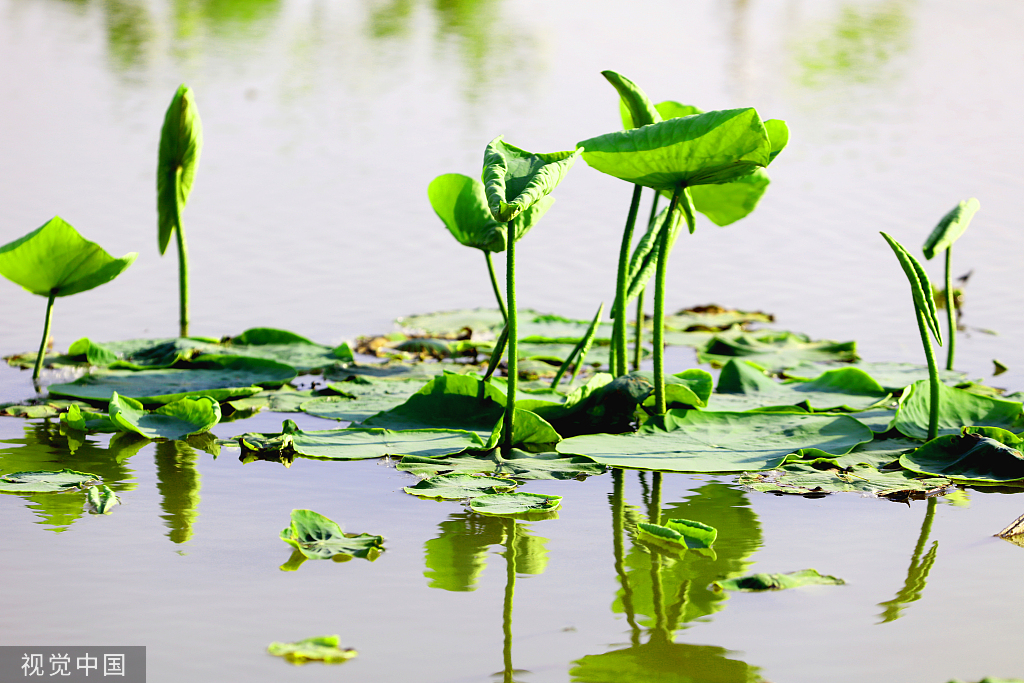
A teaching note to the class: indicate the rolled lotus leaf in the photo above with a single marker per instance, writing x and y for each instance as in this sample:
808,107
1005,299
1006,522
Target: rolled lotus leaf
637,109
515,179
950,227
181,141
56,259
920,286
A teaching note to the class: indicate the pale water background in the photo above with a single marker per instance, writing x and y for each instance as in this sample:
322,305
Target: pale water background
324,122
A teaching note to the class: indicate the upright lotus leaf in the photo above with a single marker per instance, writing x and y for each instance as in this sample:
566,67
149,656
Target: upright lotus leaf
976,455
950,227
175,420
743,386
637,108
181,141
54,260
515,179
461,203
774,582
320,538
715,147
320,649
957,408
729,202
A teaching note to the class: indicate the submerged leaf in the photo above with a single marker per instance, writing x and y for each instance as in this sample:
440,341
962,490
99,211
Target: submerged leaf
774,351
55,259
517,464
774,582
808,480
321,649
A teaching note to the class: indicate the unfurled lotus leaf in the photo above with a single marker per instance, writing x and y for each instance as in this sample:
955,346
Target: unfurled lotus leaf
519,504
514,179
174,420
716,147
321,649
319,538
55,259
517,464
45,481
957,409
460,486
980,455
774,582
950,227
181,141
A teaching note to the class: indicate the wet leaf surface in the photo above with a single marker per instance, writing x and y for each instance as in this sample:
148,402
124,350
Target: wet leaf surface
460,486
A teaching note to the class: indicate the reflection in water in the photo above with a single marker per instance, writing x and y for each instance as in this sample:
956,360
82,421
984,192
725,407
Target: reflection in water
672,590
178,483
917,573
458,555
863,40
44,448
129,29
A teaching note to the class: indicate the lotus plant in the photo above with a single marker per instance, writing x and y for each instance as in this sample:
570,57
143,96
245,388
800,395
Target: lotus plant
942,237
54,261
678,156
181,141
514,181
927,320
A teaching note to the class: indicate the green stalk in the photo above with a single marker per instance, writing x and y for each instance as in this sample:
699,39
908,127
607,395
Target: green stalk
510,589
46,334
182,261
933,376
638,335
619,328
513,345
950,310
494,286
664,243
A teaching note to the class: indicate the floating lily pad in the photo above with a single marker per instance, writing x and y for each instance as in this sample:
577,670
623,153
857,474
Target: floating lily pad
704,441
713,318
286,347
102,499
45,481
174,420
678,534
774,351
357,401
877,454
981,455
319,538
957,408
515,504
447,402
808,480
460,486
743,386
321,649
518,464
387,371
892,376
219,377
774,582
141,354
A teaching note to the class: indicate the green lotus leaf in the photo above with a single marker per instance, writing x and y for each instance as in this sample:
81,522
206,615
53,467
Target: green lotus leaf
175,420
878,453
446,402
181,142
518,464
387,371
729,202
529,431
359,400
93,353
842,388
670,109
45,481
774,351
636,109
778,133
602,405
950,227
678,533
460,486
55,259
321,649
810,480
320,538
285,347
716,147
703,441
920,286
980,455
102,499
774,582
515,179
957,408
219,377
892,376
260,336
515,504
142,354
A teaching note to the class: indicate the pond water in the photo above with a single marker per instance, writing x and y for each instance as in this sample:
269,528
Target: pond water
324,123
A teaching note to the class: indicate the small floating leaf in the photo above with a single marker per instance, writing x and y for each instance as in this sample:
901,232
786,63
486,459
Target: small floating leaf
982,455
322,649
102,499
45,481
515,504
319,538
774,582
460,486
518,464
774,351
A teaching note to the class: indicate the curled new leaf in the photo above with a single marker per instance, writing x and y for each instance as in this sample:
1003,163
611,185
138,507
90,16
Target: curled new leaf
919,285
515,179
181,141
634,102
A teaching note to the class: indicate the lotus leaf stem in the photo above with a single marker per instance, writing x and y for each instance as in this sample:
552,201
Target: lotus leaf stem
950,310
664,243
494,285
46,334
933,376
638,336
182,262
513,343
619,328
